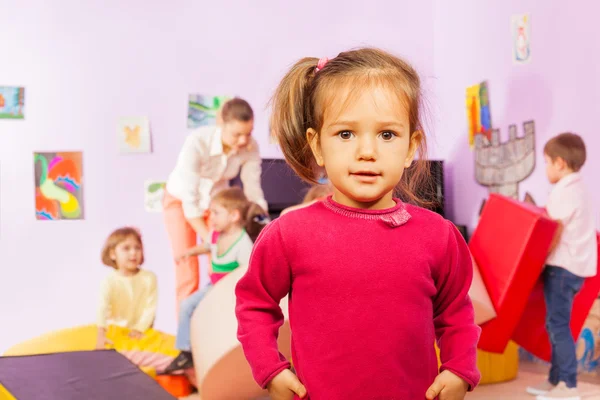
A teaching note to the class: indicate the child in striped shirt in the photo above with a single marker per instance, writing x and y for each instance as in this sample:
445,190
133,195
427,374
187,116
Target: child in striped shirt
236,222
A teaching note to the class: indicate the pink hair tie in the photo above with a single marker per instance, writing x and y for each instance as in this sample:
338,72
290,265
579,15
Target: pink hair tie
321,64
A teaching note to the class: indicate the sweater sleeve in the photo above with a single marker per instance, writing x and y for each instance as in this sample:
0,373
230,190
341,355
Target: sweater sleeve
103,309
258,294
195,198
454,316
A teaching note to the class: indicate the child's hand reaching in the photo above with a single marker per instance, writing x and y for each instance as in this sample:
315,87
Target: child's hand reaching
136,334
285,385
182,256
448,387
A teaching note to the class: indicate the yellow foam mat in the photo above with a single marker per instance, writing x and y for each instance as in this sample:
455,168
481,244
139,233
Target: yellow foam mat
496,368
83,338
5,395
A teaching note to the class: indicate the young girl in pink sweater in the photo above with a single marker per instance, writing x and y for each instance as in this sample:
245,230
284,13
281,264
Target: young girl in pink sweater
372,280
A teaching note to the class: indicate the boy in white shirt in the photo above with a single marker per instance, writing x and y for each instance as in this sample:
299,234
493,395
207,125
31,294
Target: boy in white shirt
573,257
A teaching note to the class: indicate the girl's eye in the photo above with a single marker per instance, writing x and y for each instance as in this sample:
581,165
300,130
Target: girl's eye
345,135
387,135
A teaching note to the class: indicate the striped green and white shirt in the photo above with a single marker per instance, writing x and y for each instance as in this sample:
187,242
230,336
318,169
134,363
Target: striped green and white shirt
237,254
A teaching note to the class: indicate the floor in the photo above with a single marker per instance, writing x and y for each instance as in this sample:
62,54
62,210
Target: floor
515,390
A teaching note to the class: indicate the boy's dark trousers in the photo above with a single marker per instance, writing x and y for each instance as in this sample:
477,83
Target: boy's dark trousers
560,287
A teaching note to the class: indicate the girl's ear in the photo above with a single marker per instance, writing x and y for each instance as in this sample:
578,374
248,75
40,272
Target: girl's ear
415,141
235,216
112,255
312,137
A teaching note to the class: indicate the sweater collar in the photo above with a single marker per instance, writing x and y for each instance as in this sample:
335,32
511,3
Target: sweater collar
394,216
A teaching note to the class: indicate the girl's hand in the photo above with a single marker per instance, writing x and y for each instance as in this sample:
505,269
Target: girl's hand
285,385
184,256
136,334
102,342
448,387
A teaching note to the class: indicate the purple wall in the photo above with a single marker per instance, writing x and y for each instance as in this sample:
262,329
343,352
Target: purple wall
559,89
84,64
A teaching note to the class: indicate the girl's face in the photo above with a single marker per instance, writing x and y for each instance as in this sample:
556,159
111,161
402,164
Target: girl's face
221,218
128,255
365,145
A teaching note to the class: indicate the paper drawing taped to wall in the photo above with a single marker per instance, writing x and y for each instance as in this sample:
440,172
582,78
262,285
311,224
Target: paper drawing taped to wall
12,102
58,185
133,135
520,26
154,192
478,112
202,109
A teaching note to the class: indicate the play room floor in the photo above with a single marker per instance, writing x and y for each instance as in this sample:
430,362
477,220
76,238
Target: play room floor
515,390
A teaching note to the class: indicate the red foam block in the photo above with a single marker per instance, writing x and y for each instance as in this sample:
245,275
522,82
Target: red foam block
510,245
531,332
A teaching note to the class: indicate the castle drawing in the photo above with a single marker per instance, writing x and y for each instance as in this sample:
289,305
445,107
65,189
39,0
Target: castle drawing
501,166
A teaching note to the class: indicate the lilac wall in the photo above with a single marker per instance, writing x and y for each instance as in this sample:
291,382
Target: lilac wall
560,89
84,64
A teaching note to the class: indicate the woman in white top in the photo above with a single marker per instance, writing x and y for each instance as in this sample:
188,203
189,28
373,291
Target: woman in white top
210,157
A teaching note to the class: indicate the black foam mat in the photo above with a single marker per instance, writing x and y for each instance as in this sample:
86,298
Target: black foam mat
89,375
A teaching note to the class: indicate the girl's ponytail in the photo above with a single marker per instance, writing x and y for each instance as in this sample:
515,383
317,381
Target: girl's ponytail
291,117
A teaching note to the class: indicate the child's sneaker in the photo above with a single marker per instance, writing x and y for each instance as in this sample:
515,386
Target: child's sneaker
562,392
542,388
183,361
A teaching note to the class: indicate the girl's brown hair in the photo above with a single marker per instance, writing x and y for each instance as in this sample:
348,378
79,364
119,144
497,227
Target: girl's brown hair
252,217
113,241
237,109
303,95
317,191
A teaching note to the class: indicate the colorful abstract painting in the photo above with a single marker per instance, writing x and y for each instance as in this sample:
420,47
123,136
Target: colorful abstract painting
520,26
58,186
133,135
202,109
154,192
12,102
478,112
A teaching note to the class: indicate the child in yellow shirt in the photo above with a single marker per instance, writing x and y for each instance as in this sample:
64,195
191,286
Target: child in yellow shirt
128,295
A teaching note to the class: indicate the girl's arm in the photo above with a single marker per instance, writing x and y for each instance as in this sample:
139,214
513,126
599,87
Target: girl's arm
197,250
454,316
103,311
258,293
147,312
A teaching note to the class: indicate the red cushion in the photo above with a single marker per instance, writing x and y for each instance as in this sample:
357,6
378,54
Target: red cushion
531,332
510,245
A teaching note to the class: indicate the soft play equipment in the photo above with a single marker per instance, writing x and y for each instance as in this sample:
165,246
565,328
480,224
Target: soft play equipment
76,375
153,352
484,309
222,372
510,246
531,332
